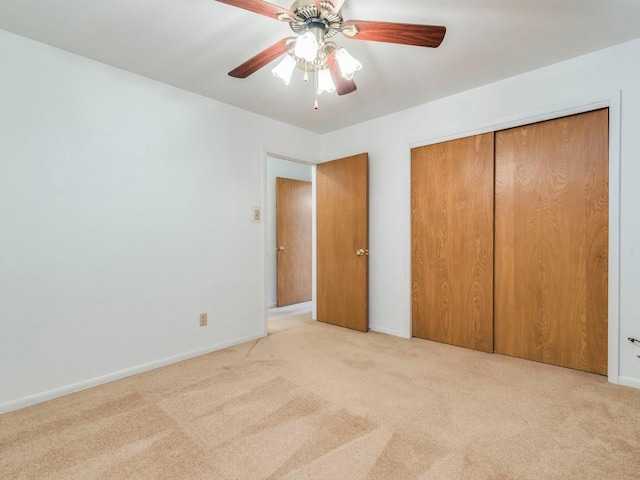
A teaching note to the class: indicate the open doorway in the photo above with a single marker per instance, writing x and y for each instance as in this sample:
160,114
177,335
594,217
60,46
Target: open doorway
283,178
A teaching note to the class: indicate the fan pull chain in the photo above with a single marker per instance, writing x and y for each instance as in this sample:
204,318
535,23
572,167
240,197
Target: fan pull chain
315,88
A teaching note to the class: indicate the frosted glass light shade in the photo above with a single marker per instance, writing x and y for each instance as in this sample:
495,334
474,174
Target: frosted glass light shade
307,46
325,83
348,64
284,69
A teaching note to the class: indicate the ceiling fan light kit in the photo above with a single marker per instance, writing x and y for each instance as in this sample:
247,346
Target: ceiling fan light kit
314,22
325,84
307,44
348,65
284,69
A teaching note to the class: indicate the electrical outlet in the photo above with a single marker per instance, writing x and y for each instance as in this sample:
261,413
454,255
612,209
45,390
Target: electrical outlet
203,319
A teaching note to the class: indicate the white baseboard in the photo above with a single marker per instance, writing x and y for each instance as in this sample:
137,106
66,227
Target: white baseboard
94,382
629,382
389,331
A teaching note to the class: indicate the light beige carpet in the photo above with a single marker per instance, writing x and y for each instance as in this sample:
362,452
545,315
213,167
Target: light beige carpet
313,401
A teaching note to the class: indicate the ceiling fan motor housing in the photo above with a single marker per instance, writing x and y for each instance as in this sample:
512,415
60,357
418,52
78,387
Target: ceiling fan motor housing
323,23
310,17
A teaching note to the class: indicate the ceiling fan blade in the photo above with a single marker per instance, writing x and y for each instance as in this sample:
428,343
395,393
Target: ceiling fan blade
263,58
402,33
343,86
263,8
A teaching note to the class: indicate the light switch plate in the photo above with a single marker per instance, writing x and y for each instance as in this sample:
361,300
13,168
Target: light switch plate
257,214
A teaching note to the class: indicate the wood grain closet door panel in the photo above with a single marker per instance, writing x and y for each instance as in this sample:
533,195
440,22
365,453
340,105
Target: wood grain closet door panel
551,242
452,242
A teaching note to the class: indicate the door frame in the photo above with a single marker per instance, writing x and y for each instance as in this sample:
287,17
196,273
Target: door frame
612,101
265,232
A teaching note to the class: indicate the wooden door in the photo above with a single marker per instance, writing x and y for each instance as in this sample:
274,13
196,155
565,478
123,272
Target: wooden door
551,242
293,240
342,242
452,242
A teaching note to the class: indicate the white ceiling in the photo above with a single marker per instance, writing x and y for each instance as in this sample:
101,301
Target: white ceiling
192,44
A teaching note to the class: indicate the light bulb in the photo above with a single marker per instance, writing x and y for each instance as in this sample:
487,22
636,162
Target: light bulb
307,46
284,69
325,83
348,64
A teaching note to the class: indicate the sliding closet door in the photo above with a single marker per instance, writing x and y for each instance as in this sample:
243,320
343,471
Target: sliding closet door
452,242
551,237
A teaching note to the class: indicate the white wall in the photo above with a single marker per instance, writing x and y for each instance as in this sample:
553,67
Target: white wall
125,212
276,167
389,140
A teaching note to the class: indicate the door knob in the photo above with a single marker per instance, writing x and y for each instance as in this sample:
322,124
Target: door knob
280,248
362,252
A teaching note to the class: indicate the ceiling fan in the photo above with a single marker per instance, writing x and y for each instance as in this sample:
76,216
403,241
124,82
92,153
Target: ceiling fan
314,22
